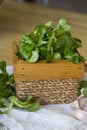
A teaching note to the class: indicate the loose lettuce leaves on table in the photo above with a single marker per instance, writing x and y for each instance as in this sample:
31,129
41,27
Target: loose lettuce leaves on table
8,98
6,82
14,101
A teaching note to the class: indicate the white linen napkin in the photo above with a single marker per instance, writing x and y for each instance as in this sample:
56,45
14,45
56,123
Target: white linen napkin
7,123
48,117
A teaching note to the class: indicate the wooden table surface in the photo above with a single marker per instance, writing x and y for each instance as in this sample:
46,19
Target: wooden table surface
17,18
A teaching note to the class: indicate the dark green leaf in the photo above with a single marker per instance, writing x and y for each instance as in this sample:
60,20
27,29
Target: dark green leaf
73,57
81,58
11,79
34,107
42,51
3,80
2,105
82,85
3,66
76,43
49,58
60,42
7,93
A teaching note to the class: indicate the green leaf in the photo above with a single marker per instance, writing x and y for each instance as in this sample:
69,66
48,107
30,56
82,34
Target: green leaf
73,57
7,108
6,81
62,22
76,43
48,24
2,105
3,66
68,39
49,58
40,30
7,93
82,85
49,46
41,42
34,107
27,38
67,28
11,79
26,50
34,57
85,92
42,52
57,56
60,42
62,25
3,80
81,58
50,40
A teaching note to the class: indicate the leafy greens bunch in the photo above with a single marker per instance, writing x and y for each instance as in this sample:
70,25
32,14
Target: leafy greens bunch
8,98
6,82
48,44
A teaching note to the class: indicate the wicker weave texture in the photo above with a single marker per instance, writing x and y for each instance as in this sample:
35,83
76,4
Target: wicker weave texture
49,91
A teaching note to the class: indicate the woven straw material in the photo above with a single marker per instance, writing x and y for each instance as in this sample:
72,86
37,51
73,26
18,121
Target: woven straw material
49,91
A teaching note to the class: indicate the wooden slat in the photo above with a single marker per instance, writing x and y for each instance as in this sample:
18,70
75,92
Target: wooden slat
24,71
14,49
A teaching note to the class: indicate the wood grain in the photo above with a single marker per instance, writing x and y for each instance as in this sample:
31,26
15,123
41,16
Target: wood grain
46,71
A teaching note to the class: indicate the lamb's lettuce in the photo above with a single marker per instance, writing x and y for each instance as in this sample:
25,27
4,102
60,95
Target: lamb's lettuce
6,82
83,87
8,98
50,41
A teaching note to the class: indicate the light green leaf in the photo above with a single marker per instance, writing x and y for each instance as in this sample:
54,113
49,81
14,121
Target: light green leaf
62,22
57,56
34,57
67,27
48,24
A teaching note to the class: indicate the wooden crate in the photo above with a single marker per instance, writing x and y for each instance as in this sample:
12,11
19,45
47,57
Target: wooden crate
55,82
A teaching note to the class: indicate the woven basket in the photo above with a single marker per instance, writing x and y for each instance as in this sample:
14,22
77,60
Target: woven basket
50,83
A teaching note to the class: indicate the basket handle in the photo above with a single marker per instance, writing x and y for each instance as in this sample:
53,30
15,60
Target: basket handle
14,48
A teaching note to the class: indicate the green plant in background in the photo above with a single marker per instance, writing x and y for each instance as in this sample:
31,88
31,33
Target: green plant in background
6,82
8,97
48,44
83,87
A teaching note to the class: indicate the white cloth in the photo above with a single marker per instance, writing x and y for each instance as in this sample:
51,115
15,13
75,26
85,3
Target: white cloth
48,117
7,123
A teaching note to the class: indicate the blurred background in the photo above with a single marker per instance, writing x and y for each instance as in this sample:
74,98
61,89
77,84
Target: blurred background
79,6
